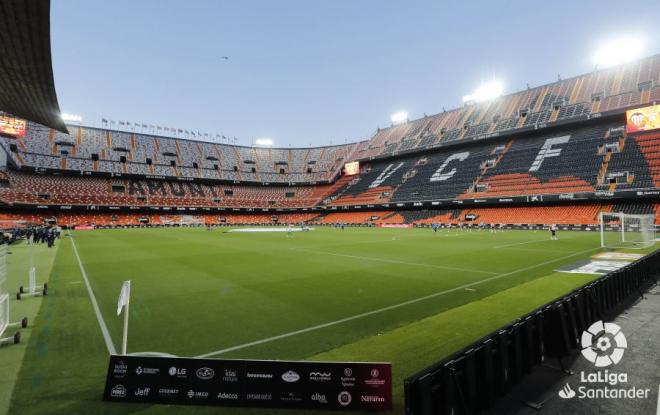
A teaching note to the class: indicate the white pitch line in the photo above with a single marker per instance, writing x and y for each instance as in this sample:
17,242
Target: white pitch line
95,305
394,261
521,243
391,307
157,354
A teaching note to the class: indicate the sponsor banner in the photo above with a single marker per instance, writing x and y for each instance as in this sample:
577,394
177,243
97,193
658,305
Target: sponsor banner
84,227
394,225
618,256
643,119
598,267
250,383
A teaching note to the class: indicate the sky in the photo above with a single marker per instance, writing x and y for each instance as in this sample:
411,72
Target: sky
317,72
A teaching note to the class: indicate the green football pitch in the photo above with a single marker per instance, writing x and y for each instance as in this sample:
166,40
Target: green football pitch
406,296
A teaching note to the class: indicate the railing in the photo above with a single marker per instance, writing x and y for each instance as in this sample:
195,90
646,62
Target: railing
474,378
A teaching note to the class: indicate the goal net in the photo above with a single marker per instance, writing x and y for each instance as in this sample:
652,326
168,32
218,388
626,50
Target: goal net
625,230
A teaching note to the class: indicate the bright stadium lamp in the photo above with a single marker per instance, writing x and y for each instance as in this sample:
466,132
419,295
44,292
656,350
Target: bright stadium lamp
485,92
399,117
618,51
71,118
266,142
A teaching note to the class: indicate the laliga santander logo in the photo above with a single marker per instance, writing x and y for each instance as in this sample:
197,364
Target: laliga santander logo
603,344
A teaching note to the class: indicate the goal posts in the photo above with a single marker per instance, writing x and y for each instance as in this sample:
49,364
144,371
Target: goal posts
625,230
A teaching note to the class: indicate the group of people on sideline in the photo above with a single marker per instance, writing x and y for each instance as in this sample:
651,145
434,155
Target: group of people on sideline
43,234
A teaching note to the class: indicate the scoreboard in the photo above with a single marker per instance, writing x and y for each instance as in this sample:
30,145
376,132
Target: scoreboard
643,119
14,127
352,168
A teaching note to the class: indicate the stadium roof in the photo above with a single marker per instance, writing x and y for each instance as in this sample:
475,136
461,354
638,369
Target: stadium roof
27,88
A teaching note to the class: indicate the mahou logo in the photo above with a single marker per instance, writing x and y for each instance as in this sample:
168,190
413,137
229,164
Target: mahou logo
603,344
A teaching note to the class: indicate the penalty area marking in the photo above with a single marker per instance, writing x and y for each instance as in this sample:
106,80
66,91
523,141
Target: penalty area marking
394,261
521,243
388,308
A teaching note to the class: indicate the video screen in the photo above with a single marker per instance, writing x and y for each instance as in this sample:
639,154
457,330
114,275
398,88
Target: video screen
12,126
352,168
643,119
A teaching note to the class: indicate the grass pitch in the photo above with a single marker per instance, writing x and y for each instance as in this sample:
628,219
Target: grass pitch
408,296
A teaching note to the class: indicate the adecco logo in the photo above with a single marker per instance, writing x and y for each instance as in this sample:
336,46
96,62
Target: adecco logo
603,344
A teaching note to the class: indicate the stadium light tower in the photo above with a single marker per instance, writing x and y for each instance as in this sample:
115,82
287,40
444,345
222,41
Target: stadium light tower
71,118
618,51
400,117
485,92
265,142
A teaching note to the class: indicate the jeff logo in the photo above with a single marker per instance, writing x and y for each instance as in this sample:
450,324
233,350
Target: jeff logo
603,344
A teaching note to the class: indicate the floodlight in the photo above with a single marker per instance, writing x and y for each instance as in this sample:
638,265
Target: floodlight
485,92
618,51
71,117
399,117
264,142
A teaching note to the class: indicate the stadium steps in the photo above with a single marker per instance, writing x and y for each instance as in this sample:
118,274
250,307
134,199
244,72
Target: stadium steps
389,215
553,115
541,98
178,153
257,174
374,195
649,145
646,97
21,145
485,169
603,168
237,157
344,184
606,161
576,91
616,85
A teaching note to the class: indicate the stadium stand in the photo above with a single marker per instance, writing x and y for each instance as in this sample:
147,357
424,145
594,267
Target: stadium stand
566,139
576,214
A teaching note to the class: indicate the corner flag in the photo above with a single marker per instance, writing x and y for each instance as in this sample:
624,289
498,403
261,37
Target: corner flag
124,296
124,301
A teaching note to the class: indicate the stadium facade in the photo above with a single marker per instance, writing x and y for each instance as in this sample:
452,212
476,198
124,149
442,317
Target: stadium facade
557,153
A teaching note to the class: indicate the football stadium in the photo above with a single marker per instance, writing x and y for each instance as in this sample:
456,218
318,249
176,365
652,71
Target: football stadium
498,256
